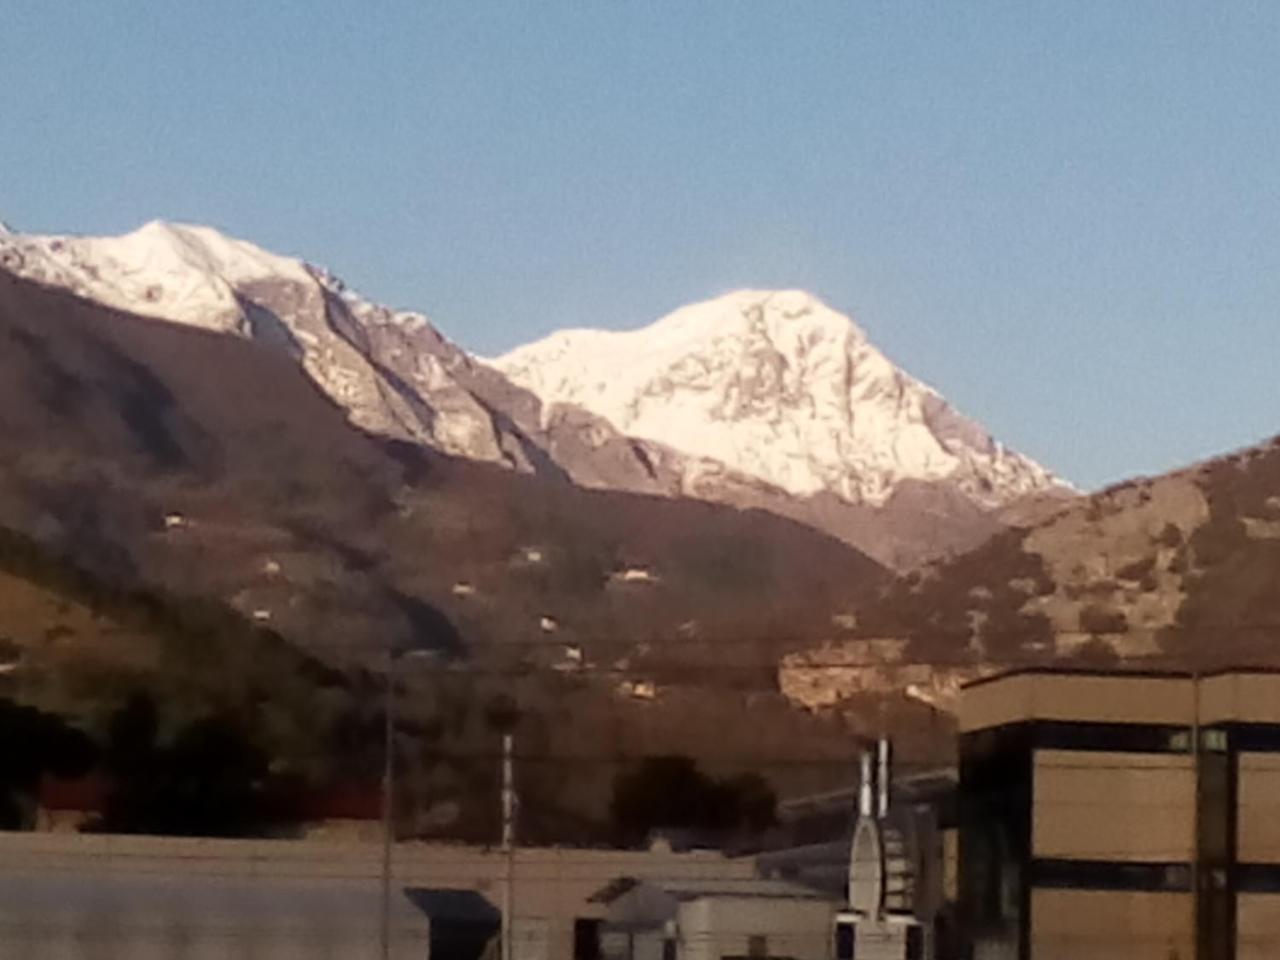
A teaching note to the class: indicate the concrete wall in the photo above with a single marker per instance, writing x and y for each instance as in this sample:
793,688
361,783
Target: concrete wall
1258,841
715,927
1257,926
1111,925
1245,697
1113,806
885,940
1258,836
647,945
1102,699
68,897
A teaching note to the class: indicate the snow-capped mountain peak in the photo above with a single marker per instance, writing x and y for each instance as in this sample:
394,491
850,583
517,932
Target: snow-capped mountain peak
759,398
777,386
178,272
391,370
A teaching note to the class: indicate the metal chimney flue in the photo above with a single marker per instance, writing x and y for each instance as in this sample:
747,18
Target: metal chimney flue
884,760
866,785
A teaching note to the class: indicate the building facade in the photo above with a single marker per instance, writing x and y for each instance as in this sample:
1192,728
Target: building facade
1120,816
104,897
747,919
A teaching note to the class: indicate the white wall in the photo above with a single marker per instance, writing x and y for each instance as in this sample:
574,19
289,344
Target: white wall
715,927
101,897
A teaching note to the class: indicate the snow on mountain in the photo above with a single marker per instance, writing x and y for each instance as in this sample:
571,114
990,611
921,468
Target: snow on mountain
391,370
776,386
759,399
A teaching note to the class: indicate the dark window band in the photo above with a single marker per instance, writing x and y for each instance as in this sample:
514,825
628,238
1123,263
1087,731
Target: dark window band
1078,735
1257,877
1254,737
1110,875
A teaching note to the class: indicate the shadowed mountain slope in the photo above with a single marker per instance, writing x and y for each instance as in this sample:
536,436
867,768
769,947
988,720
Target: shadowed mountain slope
208,465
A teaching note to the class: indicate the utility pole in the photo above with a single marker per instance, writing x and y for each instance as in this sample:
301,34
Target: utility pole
1198,906
388,785
508,845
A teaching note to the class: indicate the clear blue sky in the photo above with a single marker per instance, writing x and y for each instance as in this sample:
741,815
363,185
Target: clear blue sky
1066,216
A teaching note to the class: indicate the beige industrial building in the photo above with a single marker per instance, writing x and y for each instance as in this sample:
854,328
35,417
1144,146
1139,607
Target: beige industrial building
1130,816
715,919
101,897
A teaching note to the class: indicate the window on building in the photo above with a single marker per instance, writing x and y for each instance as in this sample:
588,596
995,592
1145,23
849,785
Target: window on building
586,939
844,941
669,949
1215,740
757,947
915,943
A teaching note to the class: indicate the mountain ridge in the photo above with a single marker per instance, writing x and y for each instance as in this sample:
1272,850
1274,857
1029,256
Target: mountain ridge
821,428
1173,571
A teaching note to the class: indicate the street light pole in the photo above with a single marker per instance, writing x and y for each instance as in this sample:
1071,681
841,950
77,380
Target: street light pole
388,783
508,846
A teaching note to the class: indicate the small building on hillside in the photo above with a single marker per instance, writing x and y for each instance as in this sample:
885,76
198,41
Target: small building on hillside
714,919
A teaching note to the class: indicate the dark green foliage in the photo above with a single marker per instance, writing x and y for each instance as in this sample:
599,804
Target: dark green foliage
501,713
208,781
32,744
216,693
751,802
672,793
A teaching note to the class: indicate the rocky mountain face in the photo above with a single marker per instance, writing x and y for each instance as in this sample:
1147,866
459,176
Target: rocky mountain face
758,399
773,399
1174,571
778,387
623,528
212,465
392,371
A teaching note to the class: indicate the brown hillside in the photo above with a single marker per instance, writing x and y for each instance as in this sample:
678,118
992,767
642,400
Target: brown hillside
155,454
1176,571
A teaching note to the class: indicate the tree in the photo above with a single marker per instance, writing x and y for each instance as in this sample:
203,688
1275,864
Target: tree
32,744
208,781
671,792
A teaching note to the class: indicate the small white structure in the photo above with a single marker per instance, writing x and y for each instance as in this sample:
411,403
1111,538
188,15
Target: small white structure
548,624
711,919
634,575
463,589
174,521
639,689
271,568
572,659
261,615
532,555
885,882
